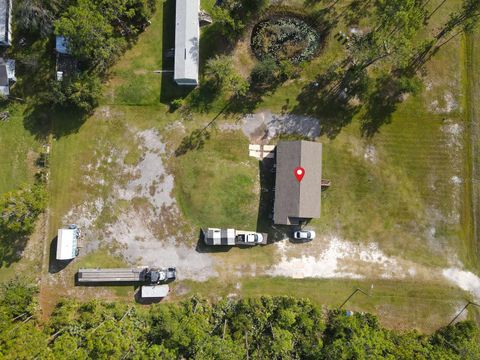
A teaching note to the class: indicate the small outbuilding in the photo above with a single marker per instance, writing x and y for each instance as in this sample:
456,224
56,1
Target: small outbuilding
154,291
5,22
7,76
297,201
187,41
66,64
67,243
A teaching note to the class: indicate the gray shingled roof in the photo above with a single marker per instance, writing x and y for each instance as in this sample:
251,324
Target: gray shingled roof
187,37
295,201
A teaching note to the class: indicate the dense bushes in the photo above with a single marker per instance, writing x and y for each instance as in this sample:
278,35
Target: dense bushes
285,38
263,328
19,209
97,33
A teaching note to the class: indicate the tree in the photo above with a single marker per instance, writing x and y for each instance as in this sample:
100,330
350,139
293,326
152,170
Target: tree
19,209
397,23
17,297
90,35
222,75
36,16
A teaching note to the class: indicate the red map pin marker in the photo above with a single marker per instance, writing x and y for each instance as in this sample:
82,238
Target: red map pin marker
299,173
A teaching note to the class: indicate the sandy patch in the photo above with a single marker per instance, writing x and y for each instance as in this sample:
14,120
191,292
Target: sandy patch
150,178
465,280
449,104
339,259
261,127
146,229
370,153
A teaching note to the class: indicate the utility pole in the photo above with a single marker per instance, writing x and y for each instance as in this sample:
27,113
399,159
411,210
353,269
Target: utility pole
351,295
461,311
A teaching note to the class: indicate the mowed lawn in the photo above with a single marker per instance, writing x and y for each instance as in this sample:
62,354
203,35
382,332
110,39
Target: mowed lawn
394,189
18,151
218,185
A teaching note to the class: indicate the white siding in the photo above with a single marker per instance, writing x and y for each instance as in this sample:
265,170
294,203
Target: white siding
187,37
5,22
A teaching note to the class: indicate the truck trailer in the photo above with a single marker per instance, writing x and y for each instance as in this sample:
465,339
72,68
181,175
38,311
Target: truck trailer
142,275
232,237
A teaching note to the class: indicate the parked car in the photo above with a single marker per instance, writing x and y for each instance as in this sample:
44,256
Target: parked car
250,239
306,235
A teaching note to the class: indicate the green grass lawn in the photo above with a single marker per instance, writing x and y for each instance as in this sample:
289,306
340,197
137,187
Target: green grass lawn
216,185
18,151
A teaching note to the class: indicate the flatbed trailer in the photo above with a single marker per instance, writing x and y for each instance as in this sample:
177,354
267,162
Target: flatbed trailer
140,274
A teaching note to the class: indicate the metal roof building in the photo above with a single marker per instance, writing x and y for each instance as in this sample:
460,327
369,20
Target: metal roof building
67,244
187,37
5,22
296,201
7,76
61,45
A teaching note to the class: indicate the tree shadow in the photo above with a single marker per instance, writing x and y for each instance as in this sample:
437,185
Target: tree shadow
330,101
383,101
11,248
194,141
43,119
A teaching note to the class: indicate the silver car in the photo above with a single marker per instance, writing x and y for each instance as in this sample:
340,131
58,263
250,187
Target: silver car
306,235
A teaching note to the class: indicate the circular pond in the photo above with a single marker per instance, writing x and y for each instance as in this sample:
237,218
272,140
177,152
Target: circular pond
284,38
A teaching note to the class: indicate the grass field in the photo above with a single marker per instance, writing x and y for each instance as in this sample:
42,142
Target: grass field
18,150
406,189
222,179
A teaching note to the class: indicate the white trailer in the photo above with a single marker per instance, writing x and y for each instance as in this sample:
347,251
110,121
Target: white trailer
154,291
67,243
232,237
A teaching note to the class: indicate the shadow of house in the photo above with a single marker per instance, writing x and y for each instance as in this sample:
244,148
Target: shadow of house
265,224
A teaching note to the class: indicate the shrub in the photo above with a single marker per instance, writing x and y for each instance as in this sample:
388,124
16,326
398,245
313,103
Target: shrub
285,38
19,209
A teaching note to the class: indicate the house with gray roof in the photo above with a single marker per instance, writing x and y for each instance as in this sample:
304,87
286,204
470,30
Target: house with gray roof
5,22
187,39
297,201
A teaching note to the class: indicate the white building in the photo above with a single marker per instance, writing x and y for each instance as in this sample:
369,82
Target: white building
5,22
67,243
187,39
